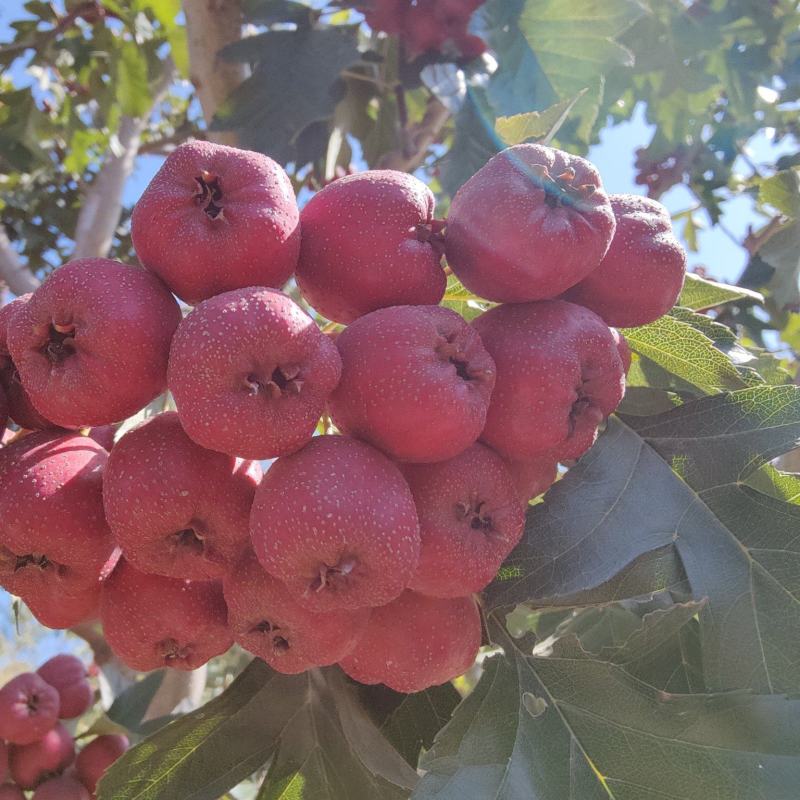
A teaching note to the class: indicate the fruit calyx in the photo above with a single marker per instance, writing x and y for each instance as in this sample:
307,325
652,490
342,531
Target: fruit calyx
561,190
171,651
433,233
449,350
475,512
11,562
333,576
60,342
280,644
209,194
190,538
283,381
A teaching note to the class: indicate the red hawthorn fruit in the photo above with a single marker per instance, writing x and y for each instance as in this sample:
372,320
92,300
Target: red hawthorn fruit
268,622
216,218
97,756
3,761
3,410
416,642
68,676
336,523
416,382
28,709
195,525
31,763
104,436
559,375
385,15
470,518
151,621
623,348
370,241
64,787
20,407
91,344
641,276
54,541
10,791
528,225
251,372
533,477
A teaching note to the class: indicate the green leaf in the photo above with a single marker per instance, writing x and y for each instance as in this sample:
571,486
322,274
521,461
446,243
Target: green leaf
738,547
782,252
461,300
205,753
166,12
776,483
295,83
782,191
132,88
700,293
541,125
129,708
269,12
569,725
330,750
685,352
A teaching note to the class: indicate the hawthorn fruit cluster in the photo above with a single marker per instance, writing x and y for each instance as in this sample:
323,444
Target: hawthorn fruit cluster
427,25
365,547
37,750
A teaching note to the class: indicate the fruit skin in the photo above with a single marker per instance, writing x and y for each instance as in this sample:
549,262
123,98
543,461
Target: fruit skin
10,791
470,519
178,234
623,348
533,477
30,763
104,436
251,372
54,541
97,757
196,524
3,410
416,382
20,407
528,225
416,642
369,242
641,276
559,374
3,762
336,523
91,344
68,676
151,621
268,622
63,787
28,709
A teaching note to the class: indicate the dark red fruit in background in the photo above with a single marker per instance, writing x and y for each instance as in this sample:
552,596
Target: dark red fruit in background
175,508
336,523
20,407
368,243
97,756
151,621
533,476
528,225
62,788
104,436
92,343
3,410
28,709
268,622
54,540
68,676
32,763
3,762
416,382
623,348
416,642
558,376
251,372
470,518
217,218
641,276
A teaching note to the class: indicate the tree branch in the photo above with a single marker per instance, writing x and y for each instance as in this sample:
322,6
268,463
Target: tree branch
210,25
18,278
102,203
417,139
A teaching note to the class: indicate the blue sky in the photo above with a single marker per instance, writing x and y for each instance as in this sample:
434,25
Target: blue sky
614,156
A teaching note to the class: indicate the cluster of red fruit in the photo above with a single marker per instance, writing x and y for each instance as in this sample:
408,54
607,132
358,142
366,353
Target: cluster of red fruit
36,750
363,548
427,25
